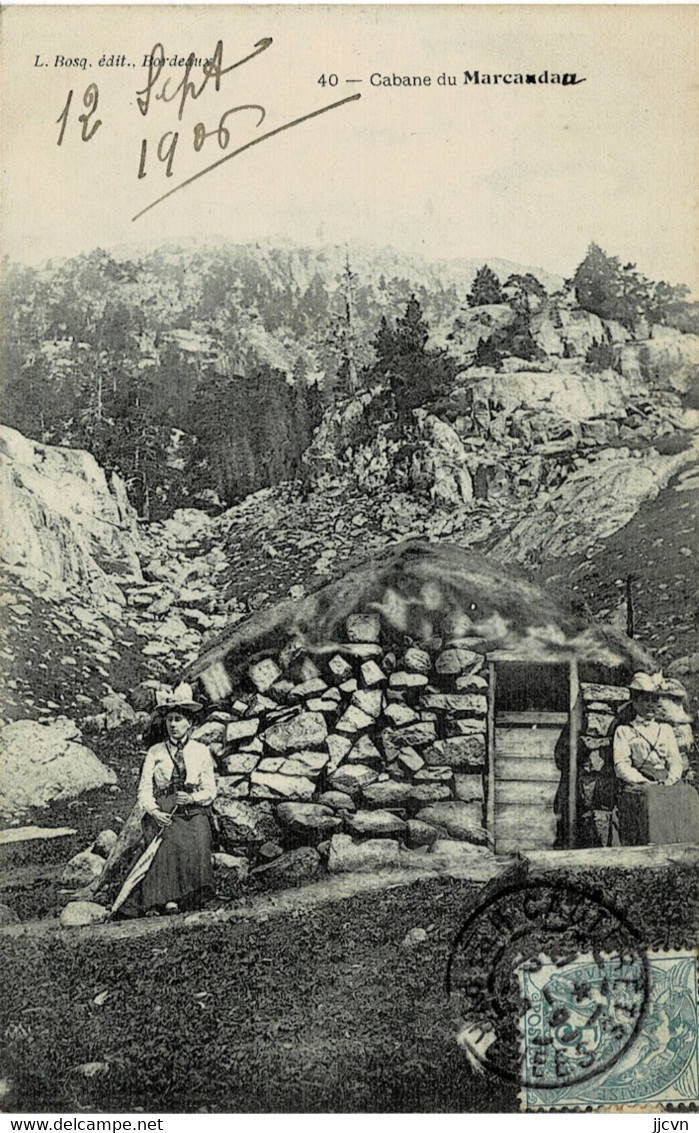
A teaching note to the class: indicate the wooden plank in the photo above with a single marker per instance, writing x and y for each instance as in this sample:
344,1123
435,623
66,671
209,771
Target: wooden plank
491,756
527,825
514,793
573,753
543,770
617,857
539,718
526,743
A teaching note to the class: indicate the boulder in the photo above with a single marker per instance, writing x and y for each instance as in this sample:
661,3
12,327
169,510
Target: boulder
117,711
389,793
338,747
400,714
406,681
375,823
411,795
340,669
434,775
371,674
41,763
469,788
307,730
270,785
365,751
347,856
443,462
242,763
79,913
104,843
417,661
213,731
240,730
684,666
245,823
459,751
395,740
308,818
599,724
364,628
463,726
307,689
611,694
309,763
419,833
231,865
337,800
264,673
82,869
423,793
455,661
459,820
351,778
414,938
462,702
369,701
354,720
295,867
410,761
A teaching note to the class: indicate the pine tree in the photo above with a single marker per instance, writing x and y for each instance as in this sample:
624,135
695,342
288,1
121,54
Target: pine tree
486,289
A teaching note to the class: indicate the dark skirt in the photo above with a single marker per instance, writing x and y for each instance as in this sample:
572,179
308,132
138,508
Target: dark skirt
657,815
181,870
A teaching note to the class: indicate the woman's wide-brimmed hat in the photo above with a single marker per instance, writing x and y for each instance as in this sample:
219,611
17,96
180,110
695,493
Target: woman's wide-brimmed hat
180,698
650,683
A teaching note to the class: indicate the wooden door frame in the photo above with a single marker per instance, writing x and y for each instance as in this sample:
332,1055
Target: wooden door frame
571,662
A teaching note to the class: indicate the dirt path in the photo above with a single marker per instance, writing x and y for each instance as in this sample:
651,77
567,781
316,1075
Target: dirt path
294,902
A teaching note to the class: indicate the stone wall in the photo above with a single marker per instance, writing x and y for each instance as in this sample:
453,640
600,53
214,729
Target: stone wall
374,739
364,740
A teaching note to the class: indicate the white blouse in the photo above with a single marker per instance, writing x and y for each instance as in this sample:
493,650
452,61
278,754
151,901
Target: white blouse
158,768
647,753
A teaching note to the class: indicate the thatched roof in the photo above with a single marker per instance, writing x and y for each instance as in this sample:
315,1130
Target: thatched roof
424,590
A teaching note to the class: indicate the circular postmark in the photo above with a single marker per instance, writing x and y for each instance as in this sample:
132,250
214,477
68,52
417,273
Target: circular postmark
550,983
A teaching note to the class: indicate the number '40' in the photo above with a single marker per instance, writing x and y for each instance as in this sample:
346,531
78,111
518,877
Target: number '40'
329,81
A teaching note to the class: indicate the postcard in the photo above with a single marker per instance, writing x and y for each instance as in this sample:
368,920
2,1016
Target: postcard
350,670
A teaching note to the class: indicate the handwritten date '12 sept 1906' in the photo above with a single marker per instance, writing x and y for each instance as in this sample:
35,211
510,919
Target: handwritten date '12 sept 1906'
158,88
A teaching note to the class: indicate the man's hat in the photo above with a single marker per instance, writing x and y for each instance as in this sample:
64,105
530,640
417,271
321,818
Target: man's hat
180,697
650,683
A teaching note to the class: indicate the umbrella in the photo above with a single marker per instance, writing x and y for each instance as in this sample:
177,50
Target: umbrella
139,870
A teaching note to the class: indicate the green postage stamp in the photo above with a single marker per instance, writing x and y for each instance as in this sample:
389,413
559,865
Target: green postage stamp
610,1032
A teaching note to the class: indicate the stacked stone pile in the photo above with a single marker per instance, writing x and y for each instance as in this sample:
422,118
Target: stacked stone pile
369,739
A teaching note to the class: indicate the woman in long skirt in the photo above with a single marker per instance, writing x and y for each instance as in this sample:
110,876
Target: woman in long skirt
176,790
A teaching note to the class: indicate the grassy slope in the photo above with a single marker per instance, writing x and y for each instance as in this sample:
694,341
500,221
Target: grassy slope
319,1012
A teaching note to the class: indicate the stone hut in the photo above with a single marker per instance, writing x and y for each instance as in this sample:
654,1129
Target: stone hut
427,697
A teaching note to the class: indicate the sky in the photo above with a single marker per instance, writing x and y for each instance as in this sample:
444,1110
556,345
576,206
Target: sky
530,173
